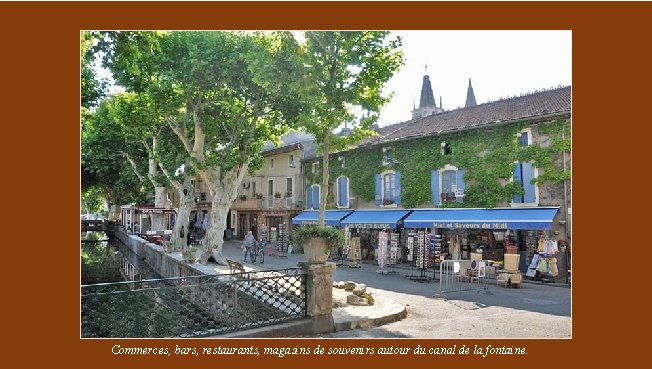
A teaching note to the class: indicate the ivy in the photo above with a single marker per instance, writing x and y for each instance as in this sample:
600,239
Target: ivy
487,155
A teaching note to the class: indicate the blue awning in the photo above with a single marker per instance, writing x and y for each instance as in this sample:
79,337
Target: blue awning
376,219
333,217
500,218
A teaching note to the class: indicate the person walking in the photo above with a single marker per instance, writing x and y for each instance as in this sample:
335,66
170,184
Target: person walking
248,243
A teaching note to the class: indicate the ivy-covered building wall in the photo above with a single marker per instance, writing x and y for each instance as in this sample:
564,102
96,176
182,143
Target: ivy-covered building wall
487,158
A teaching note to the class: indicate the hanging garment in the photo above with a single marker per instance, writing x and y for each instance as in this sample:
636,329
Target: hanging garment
541,246
554,271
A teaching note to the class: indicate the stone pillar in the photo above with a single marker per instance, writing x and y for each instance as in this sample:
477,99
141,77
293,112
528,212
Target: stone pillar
319,295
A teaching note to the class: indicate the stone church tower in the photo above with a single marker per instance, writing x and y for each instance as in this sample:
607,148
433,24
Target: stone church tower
427,104
470,96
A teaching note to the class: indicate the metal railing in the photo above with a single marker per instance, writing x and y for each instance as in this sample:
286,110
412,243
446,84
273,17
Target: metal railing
195,306
462,275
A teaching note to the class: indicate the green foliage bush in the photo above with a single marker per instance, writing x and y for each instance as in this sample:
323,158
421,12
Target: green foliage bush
302,235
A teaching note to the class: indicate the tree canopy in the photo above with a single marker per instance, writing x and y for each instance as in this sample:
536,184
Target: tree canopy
345,72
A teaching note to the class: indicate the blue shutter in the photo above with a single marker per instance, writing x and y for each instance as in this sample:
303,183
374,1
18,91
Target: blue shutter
309,198
343,195
517,179
397,188
460,184
315,196
528,186
378,200
434,186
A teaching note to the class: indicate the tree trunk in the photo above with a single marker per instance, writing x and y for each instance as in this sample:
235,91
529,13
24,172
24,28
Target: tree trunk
324,182
214,240
224,192
186,204
160,201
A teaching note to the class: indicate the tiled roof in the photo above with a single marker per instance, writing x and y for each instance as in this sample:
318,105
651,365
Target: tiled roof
534,105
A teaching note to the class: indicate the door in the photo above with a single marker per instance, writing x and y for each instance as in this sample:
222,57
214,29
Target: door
242,225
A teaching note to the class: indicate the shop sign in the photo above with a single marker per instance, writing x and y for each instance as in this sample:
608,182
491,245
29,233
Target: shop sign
370,225
480,225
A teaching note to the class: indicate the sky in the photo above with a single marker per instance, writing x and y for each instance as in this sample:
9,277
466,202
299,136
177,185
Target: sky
501,64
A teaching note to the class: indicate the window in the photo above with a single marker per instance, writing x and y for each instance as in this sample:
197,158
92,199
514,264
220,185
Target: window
270,188
312,197
448,180
253,188
388,188
271,163
315,166
291,161
447,184
388,156
524,137
288,187
446,148
342,191
524,173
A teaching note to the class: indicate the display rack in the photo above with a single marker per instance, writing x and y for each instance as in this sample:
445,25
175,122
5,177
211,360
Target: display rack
421,257
393,254
353,253
283,241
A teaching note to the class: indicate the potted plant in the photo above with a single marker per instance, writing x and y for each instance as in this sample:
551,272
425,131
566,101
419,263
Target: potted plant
288,194
190,254
243,197
388,202
277,195
169,246
317,242
259,196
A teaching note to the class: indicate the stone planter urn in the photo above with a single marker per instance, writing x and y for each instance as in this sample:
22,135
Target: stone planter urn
316,250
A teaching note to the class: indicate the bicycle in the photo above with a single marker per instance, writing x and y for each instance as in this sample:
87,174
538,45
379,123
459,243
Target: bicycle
258,252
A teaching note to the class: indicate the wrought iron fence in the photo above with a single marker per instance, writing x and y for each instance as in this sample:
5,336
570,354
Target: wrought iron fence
195,306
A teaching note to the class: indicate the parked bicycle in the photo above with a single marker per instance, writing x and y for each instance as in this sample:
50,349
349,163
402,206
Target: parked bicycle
258,252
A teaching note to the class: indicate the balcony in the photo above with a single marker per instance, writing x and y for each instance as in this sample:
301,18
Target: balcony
267,202
247,204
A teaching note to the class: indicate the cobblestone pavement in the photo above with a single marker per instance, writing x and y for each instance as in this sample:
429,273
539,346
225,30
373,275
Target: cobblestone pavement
532,311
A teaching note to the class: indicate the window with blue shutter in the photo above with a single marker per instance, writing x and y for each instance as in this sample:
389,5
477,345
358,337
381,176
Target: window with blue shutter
448,181
378,199
529,196
309,198
434,186
524,139
518,178
397,188
342,191
524,174
315,196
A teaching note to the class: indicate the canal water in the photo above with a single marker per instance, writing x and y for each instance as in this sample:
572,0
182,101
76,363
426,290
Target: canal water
105,259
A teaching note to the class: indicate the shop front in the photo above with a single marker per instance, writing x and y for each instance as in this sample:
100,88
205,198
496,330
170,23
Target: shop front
377,233
491,233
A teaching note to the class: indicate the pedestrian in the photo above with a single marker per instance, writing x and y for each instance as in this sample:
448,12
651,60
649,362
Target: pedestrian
248,243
